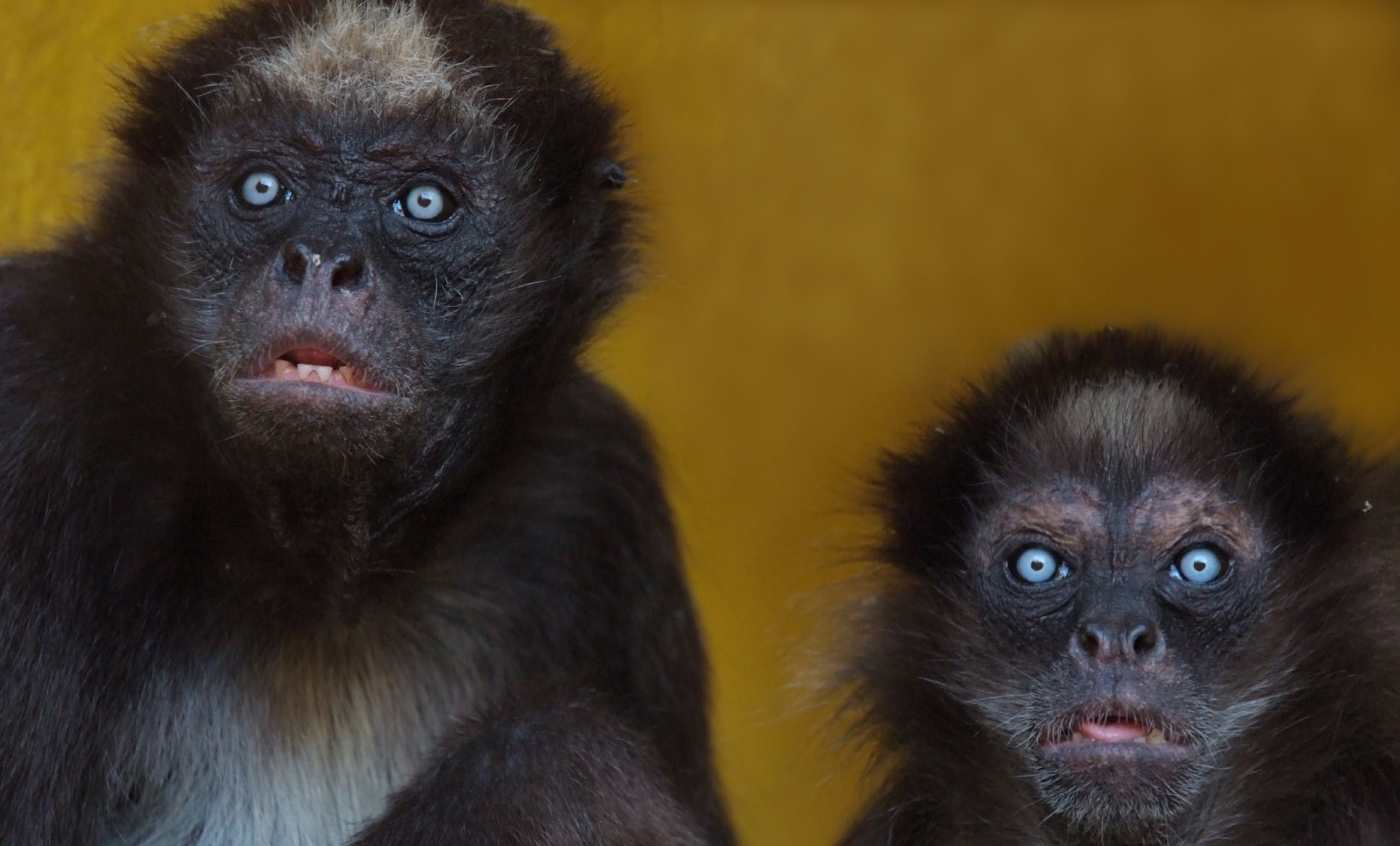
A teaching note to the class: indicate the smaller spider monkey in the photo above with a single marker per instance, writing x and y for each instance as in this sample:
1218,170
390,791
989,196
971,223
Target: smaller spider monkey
1131,595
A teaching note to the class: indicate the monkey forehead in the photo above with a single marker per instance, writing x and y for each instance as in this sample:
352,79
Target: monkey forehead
1160,515
359,54
1169,509
1067,511
1132,418
1121,434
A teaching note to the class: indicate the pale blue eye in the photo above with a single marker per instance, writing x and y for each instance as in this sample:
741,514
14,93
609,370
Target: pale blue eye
1036,564
1199,565
260,189
427,202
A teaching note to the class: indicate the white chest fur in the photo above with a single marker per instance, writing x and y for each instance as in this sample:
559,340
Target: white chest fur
305,748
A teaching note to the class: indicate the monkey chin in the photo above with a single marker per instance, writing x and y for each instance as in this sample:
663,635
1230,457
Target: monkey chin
1117,775
312,409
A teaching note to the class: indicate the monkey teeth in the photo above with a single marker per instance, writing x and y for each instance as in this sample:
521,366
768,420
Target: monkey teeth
323,373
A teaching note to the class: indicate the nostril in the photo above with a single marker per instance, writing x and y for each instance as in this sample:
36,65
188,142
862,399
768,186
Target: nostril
1090,639
346,271
1117,640
1142,640
294,262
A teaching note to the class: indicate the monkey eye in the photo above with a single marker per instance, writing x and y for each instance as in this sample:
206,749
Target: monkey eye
425,201
1199,564
1037,565
261,189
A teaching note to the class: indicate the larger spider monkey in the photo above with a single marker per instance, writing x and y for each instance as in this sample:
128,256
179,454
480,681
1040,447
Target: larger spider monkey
312,528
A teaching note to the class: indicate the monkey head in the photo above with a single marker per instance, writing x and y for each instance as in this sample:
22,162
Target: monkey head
379,229
1105,559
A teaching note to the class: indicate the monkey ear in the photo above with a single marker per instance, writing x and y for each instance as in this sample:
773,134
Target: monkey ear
611,174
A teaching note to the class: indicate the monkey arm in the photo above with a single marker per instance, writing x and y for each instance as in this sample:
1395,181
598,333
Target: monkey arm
61,645
566,773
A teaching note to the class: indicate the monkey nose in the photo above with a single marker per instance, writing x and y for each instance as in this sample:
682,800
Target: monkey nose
1132,640
338,268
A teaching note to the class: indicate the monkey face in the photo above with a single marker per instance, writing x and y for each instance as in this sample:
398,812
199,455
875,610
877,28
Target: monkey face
335,275
1116,573
1117,616
378,231
1099,613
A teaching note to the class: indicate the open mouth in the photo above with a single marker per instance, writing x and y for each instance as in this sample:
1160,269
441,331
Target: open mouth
317,366
1116,729
1113,726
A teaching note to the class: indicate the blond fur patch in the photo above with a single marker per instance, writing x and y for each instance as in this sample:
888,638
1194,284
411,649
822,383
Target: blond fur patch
1131,417
359,53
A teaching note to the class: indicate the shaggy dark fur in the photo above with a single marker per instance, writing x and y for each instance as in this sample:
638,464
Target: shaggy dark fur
1275,686
237,611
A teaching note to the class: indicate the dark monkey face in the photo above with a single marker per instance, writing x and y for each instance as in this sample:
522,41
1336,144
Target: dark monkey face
1108,545
377,231
1116,598
1118,611
339,264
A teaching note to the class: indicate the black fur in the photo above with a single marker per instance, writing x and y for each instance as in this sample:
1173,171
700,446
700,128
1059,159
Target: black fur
567,774
1282,677
470,572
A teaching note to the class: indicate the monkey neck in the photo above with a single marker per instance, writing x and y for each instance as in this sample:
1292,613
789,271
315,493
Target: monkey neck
316,523
327,538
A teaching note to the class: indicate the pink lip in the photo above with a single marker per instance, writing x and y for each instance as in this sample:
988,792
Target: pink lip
1113,731
1101,728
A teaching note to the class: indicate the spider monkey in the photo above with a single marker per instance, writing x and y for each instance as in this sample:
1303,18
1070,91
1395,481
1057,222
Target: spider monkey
1131,595
313,530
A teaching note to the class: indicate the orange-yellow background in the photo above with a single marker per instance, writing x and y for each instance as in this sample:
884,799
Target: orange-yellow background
855,204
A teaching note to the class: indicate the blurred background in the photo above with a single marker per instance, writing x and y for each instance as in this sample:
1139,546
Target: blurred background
856,205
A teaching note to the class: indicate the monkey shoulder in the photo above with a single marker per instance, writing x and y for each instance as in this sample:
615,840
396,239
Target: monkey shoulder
582,473
87,364
572,536
93,411
32,309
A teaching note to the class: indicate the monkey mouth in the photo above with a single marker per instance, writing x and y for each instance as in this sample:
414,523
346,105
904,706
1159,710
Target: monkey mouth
315,365
1114,728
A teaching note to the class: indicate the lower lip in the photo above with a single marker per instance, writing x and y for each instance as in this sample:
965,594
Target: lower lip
295,389
311,383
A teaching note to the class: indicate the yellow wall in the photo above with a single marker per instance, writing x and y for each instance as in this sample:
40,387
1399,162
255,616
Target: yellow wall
858,203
